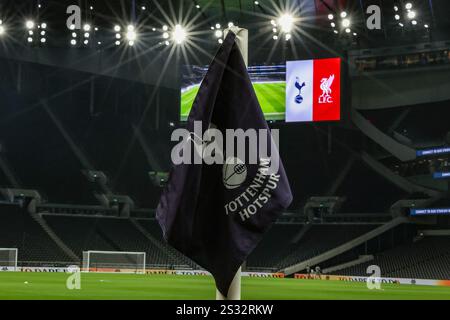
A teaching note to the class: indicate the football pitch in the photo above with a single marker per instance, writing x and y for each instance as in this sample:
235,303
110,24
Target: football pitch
271,97
96,286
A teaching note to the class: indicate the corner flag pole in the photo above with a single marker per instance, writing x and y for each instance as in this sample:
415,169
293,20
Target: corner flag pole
234,292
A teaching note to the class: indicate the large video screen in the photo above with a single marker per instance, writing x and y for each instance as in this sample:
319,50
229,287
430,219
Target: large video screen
298,91
268,81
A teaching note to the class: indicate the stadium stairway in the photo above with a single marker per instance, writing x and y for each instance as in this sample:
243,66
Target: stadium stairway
151,227
344,247
400,151
19,230
82,233
360,260
161,245
52,235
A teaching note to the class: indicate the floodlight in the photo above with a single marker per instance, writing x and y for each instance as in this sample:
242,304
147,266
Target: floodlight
286,22
179,34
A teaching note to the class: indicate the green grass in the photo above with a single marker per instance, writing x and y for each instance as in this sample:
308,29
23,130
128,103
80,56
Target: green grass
271,97
127,286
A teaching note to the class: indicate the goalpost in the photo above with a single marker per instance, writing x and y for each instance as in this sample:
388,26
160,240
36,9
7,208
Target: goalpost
8,259
114,261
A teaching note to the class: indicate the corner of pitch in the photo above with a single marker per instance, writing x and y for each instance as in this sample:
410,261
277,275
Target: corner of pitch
257,194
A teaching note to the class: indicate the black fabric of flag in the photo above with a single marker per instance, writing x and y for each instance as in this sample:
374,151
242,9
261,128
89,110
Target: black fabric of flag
195,209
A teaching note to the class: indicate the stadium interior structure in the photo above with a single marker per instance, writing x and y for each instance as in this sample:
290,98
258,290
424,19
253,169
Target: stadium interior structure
85,134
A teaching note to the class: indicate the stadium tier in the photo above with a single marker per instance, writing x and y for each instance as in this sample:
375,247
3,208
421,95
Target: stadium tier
270,255
427,258
112,234
19,230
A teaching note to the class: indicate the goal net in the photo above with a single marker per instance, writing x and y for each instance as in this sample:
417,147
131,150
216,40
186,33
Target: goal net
114,261
8,259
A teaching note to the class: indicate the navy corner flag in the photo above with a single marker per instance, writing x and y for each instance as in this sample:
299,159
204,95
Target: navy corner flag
217,213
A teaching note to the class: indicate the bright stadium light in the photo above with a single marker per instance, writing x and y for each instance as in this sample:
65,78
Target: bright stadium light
397,17
29,24
117,28
87,27
72,27
408,6
2,30
165,28
288,37
411,14
346,23
165,35
179,34
131,34
218,33
414,22
286,22
43,25
343,14
73,42
330,17
348,30
29,39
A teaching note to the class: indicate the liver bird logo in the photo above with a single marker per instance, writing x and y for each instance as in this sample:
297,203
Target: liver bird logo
325,86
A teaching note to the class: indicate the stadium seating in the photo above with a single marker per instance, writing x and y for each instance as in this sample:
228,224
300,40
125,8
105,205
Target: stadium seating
428,258
108,234
277,249
154,229
19,230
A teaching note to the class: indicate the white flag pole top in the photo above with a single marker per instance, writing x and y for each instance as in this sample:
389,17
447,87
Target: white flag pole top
234,292
241,40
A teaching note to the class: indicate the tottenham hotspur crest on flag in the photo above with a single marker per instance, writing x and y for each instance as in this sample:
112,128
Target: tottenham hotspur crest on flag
234,173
